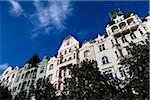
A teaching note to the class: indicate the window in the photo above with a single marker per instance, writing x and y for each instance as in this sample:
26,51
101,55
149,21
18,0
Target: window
77,55
60,71
129,51
109,74
58,62
28,83
68,43
14,89
116,40
132,35
13,75
42,70
65,51
65,72
140,31
69,71
56,73
51,66
87,53
114,28
22,76
116,54
105,60
7,77
6,72
69,58
59,86
55,86
112,43
19,86
50,77
102,47
124,39
65,60
32,82
23,85
69,50
122,25
122,72
74,55
27,74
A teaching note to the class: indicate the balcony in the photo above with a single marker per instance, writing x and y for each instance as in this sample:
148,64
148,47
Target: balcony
72,61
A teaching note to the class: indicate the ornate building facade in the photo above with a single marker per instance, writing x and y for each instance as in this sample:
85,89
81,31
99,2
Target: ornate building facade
107,50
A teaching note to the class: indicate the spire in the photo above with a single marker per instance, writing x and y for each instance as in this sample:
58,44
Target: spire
114,13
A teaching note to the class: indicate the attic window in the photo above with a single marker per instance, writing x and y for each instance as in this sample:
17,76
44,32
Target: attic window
68,43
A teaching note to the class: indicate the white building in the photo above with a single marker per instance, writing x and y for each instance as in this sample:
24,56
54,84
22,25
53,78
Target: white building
8,77
58,67
110,48
107,50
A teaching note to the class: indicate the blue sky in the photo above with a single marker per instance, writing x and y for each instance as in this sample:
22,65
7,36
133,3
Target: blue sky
39,27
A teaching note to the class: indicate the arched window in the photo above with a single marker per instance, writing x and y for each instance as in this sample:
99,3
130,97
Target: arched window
129,21
114,28
86,53
105,60
122,24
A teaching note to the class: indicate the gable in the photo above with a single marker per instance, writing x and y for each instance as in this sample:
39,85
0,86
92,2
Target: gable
68,42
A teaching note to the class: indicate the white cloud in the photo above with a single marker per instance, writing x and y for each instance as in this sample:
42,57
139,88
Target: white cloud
52,16
16,9
47,17
3,67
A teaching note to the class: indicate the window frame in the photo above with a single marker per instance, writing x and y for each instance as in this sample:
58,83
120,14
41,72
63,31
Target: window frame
105,60
87,53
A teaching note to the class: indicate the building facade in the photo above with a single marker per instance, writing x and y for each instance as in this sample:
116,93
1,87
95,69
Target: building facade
59,67
107,50
111,48
7,79
26,76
